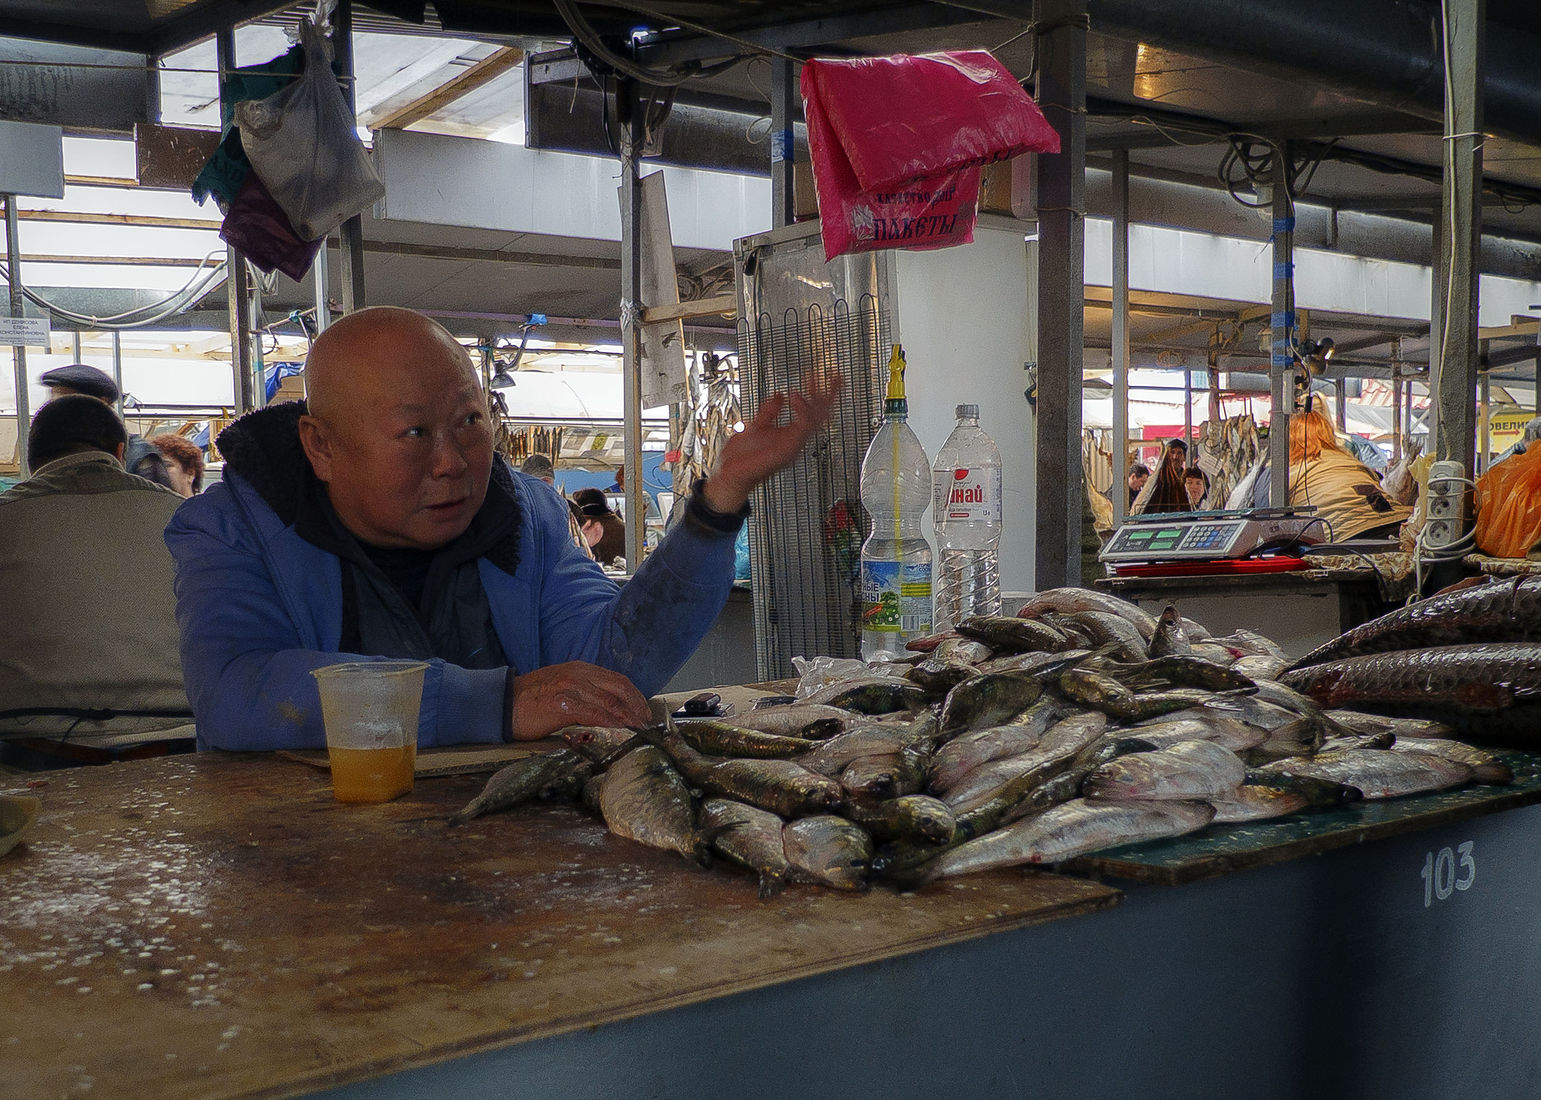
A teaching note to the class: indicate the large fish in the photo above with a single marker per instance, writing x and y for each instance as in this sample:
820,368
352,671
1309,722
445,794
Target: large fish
1068,830
1199,724
723,739
1378,773
750,837
1086,599
1500,611
872,695
1489,690
1189,769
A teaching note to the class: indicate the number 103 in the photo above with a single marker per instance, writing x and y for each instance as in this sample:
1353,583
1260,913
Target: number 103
1439,873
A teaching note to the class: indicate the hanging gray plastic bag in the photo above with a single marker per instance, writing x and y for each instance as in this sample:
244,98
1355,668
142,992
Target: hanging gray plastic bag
303,146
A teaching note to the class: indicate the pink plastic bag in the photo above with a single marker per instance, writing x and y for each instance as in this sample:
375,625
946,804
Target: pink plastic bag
896,144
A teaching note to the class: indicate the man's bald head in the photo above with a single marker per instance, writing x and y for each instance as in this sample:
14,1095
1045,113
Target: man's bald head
397,428
368,349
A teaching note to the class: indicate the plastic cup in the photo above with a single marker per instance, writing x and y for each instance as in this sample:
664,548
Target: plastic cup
370,711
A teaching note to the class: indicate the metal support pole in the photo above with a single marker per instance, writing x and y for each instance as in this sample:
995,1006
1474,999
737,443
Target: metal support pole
1485,390
18,351
1061,294
75,343
259,374
117,367
1281,362
1187,405
1461,202
1120,492
629,110
237,288
351,232
319,277
783,112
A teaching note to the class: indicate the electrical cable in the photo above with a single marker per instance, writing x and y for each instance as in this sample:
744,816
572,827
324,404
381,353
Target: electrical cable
188,290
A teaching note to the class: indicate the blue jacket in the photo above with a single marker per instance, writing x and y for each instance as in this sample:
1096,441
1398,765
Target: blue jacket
259,607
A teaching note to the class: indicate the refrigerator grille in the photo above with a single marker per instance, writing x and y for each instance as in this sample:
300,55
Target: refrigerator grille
807,526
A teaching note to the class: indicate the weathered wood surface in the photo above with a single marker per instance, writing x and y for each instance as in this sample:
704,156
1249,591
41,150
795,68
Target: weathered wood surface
1221,849
218,926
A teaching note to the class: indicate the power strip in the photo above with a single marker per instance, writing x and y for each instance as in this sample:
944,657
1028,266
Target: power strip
1447,512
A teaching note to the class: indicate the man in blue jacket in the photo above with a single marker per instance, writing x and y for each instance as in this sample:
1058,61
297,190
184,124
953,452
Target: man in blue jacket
376,522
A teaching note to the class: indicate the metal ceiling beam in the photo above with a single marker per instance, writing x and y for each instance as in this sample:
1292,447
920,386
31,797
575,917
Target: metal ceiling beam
1150,135
481,72
797,36
1383,51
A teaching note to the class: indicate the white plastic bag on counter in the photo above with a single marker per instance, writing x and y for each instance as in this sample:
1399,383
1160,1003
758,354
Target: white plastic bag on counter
303,145
817,673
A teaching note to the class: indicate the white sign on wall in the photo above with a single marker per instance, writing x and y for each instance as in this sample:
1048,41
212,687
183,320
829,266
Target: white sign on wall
24,330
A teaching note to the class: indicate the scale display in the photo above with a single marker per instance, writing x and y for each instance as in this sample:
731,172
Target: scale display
1206,536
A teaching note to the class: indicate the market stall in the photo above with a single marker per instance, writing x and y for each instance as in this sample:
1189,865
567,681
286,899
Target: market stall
220,927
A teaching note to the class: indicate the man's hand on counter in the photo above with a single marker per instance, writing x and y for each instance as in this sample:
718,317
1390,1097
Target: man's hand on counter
573,694
764,446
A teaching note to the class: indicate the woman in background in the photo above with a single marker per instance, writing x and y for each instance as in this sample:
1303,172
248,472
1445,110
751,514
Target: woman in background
184,462
1165,492
1341,488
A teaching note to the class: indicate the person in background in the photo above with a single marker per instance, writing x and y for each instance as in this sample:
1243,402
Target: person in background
1531,433
604,531
1195,484
77,378
1165,492
89,671
575,528
184,462
1341,488
374,519
538,465
1139,474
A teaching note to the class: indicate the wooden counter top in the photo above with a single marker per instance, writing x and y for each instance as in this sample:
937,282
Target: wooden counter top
218,926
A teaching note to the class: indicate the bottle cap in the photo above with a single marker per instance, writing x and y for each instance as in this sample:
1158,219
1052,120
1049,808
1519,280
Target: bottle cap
971,411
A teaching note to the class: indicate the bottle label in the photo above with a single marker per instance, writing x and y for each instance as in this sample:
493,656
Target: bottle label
966,496
896,597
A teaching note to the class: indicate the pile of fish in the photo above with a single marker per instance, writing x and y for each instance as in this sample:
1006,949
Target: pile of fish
1469,656
1081,724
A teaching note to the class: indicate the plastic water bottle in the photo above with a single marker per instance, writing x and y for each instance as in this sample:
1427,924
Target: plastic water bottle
895,559
966,511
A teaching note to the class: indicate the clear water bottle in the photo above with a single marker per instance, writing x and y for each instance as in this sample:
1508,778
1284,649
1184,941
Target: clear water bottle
966,511
895,559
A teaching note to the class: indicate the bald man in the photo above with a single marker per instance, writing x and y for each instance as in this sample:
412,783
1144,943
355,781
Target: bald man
376,521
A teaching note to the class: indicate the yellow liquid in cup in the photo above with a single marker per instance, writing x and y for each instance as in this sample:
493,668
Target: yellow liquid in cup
372,775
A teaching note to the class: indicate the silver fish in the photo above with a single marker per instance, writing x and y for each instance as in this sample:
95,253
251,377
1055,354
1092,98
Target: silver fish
1086,599
750,837
828,851
1170,637
1379,773
1358,721
795,720
1027,662
1260,666
964,753
523,780
1485,767
1058,746
912,817
643,798
1189,769
1199,724
871,739
1253,803
1071,829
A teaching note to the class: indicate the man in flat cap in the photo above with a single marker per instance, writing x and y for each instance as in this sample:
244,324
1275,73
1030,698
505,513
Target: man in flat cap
375,520
90,669
138,456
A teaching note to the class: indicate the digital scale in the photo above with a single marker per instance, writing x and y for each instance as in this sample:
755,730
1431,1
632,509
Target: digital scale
1190,537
